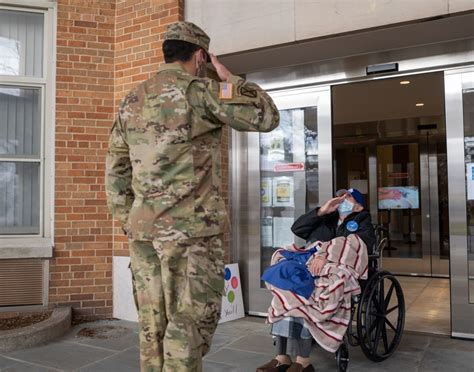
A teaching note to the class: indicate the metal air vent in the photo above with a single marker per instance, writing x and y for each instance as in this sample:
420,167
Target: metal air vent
21,282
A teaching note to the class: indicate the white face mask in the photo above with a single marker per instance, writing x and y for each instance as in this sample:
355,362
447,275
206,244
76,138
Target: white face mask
345,208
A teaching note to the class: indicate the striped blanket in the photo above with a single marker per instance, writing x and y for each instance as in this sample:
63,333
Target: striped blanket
327,312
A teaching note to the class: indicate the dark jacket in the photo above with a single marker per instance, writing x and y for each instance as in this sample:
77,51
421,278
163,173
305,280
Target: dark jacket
312,227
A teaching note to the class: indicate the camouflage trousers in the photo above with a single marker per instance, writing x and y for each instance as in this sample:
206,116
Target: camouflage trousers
178,287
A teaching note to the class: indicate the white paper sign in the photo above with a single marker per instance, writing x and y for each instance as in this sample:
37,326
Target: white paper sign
282,234
232,302
267,232
470,180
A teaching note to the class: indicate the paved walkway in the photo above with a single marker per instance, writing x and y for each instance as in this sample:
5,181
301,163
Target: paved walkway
238,346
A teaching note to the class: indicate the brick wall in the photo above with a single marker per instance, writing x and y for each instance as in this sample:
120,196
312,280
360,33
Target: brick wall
104,48
81,271
140,26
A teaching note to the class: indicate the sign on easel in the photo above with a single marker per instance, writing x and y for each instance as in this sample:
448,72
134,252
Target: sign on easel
232,302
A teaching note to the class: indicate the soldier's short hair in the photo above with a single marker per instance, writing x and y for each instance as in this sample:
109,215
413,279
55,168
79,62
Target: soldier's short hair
178,50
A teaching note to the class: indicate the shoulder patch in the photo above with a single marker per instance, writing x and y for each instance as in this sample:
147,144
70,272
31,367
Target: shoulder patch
352,226
248,92
226,90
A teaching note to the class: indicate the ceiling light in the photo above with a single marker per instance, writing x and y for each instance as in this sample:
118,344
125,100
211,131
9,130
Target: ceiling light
404,82
420,104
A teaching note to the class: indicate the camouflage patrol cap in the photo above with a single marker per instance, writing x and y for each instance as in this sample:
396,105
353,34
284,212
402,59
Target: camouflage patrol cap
187,31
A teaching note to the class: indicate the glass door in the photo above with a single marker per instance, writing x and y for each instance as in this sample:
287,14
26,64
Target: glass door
289,172
460,156
402,178
412,204
390,144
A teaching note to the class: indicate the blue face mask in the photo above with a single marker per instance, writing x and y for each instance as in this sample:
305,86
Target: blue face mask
345,208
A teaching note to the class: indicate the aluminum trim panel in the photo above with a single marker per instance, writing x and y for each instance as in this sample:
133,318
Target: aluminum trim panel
419,59
325,146
425,209
462,313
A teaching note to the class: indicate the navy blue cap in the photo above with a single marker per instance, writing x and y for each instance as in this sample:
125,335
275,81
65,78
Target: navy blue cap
356,194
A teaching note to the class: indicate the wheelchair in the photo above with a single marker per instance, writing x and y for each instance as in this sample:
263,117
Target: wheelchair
379,311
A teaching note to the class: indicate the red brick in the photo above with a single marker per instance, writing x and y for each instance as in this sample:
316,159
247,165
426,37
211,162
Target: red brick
85,24
82,268
68,261
94,304
69,290
102,53
82,282
81,297
60,283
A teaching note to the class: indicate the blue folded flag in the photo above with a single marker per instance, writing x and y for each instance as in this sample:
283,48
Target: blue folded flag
292,274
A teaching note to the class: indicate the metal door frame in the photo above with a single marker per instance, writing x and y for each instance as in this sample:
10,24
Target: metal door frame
246,167
462,312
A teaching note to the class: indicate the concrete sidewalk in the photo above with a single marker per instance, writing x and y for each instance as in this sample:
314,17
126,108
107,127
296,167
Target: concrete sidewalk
238,346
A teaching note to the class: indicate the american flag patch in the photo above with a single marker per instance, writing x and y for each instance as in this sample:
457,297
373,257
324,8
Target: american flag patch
225,90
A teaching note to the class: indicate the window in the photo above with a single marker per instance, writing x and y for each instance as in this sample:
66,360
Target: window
26,126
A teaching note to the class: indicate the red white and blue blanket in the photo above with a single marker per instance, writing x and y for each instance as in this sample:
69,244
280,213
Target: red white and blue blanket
327,311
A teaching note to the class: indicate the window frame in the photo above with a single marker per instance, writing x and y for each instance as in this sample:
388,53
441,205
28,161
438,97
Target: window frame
37,245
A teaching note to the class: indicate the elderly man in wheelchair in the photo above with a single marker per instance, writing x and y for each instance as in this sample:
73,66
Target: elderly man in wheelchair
319,288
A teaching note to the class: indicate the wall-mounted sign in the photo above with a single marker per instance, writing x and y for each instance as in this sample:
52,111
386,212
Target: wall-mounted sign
288,167
398,197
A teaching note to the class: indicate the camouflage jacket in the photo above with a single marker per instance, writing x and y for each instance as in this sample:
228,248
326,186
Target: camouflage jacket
163,174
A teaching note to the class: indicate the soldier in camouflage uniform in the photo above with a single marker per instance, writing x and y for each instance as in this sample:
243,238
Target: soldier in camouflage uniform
163,183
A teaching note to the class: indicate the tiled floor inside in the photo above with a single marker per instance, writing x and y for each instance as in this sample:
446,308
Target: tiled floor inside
427,303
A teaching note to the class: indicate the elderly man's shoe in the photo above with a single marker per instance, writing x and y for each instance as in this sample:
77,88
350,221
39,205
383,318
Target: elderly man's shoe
273,366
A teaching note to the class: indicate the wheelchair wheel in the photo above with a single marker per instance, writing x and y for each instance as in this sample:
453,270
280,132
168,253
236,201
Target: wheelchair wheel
342,356
381,316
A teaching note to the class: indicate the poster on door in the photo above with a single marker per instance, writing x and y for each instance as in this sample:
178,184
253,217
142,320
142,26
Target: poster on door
283,192
232,302
470,180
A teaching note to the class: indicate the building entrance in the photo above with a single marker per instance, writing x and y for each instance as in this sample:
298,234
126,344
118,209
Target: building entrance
389,141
